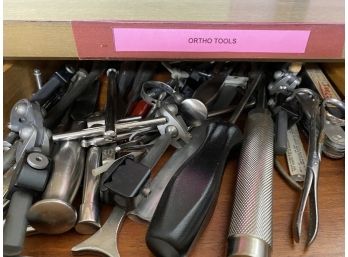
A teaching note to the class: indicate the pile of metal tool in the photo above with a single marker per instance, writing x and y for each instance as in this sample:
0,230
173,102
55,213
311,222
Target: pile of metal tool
59,142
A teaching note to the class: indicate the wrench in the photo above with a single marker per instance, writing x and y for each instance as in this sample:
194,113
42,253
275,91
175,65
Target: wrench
103,241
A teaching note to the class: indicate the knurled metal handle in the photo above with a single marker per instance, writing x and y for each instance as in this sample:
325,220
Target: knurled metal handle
251,221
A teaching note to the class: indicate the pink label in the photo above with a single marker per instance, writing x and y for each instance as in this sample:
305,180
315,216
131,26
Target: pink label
210,40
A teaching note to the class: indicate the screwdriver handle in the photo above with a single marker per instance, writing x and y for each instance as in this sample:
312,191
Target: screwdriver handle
250,232
190,197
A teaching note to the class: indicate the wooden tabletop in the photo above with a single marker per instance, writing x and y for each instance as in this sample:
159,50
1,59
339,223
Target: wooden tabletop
212,242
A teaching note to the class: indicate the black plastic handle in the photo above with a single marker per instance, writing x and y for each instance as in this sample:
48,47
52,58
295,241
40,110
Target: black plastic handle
281,138
16,223
190,197
209,91
58,79
55,114
145,72
128,70
85,104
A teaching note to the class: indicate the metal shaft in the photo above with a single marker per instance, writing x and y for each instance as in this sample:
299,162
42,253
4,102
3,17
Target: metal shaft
38,78
54,214
110,110
9,157
120,127
250,231
89,222
101,122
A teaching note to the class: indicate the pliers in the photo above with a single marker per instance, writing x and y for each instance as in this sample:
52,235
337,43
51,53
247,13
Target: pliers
318,116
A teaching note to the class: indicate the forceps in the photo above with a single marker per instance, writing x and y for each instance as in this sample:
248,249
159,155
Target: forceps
318,116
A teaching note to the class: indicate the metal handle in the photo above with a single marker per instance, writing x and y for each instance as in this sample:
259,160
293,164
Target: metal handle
250,231
111,104
54,214
280,144
89,221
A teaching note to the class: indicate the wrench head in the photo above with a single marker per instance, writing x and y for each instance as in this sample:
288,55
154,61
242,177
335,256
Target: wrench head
104,241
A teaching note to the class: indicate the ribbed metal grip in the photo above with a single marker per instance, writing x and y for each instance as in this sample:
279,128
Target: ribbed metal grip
250,231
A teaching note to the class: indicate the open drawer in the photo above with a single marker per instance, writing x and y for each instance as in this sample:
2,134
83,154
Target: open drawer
19,83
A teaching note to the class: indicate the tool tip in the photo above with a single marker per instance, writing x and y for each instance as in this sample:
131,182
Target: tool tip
296,233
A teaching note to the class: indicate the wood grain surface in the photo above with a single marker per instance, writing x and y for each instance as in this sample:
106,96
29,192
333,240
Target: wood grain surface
335,72
212,242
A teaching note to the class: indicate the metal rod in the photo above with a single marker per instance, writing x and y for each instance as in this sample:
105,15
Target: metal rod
101,122
88,222
121,127
38,78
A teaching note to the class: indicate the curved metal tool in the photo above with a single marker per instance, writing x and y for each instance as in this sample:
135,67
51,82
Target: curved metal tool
103,241
310,104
